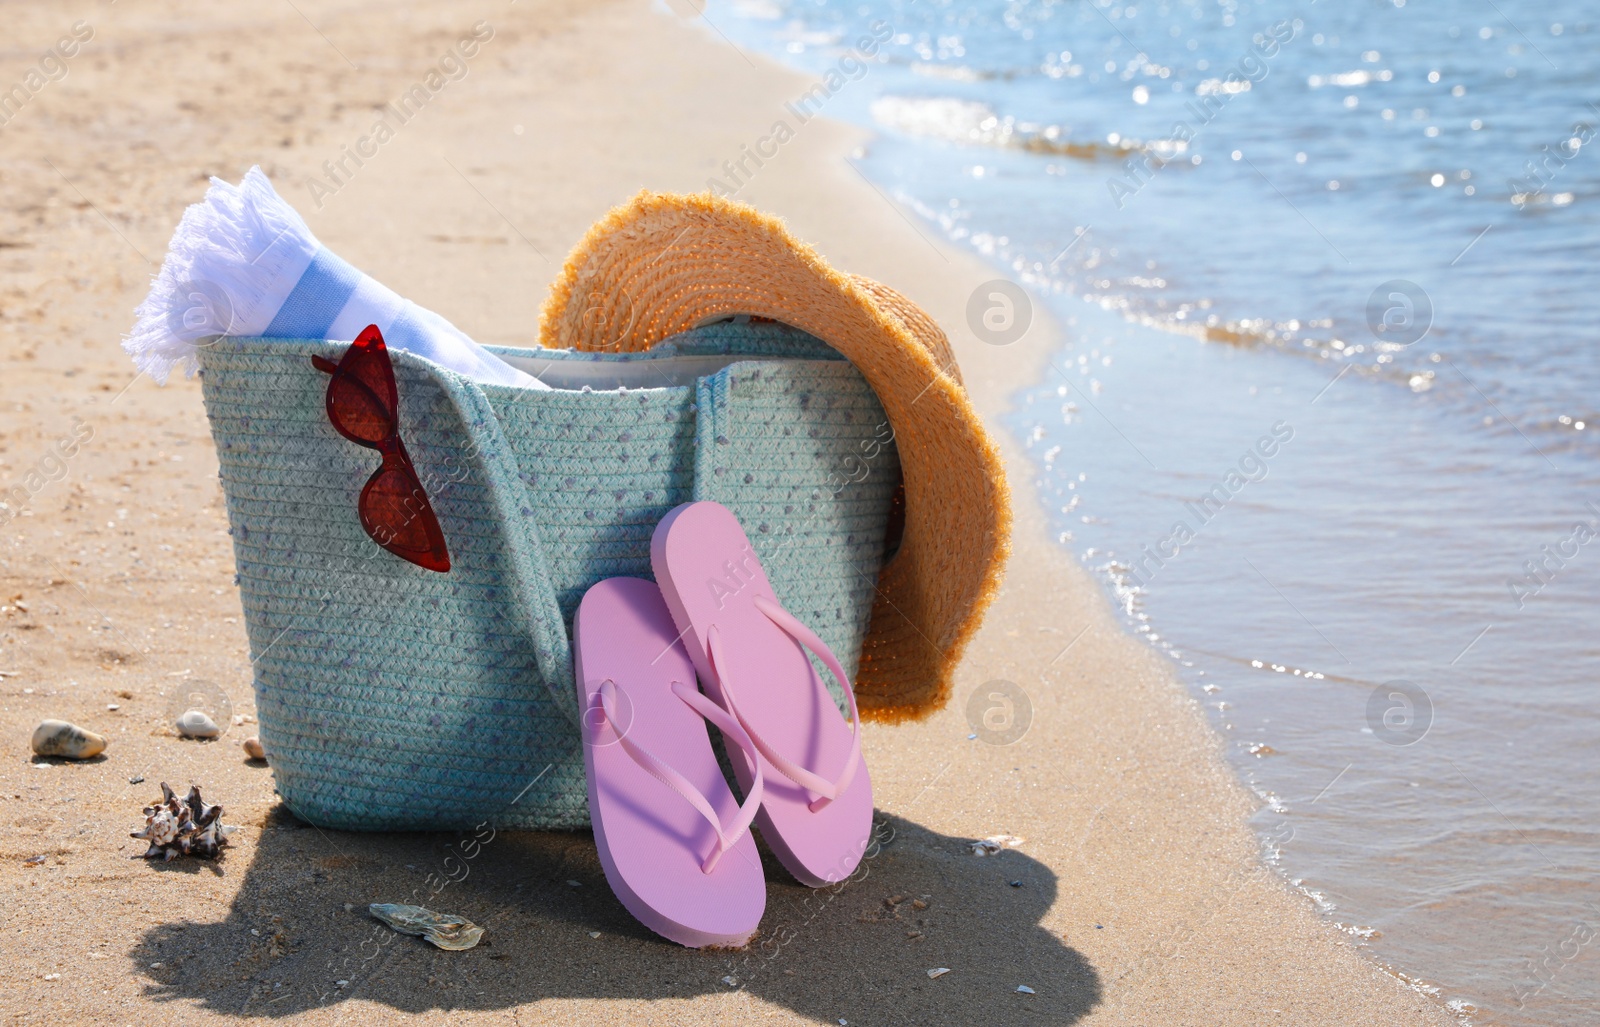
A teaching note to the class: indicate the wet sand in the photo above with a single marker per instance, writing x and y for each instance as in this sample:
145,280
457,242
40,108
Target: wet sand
1137,895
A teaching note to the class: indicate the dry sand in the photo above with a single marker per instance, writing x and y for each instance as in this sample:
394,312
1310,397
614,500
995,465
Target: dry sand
1142,898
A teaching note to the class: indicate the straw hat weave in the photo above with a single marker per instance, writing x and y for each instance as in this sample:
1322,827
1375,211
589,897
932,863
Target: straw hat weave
665,263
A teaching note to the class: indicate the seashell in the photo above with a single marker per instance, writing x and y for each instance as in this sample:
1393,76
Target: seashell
938,971
59,738
196,724
187,828
252,748
453,933
995,843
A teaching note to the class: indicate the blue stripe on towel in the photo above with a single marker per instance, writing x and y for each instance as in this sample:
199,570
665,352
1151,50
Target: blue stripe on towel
317,298
409,333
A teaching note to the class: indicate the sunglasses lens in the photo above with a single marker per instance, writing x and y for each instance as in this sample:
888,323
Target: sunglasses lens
358,412
396,514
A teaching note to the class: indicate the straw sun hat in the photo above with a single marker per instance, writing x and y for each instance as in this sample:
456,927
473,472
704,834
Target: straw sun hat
664,263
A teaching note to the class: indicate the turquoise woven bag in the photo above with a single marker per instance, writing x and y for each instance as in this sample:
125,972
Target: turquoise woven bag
395,698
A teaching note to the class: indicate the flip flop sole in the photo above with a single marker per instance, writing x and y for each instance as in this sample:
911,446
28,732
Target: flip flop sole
709,575
651,841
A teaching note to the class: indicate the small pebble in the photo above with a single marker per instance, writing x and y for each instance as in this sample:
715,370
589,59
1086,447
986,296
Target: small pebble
52,977
574,884
136,779
730,981
58,738
1016,884
594,934
342,984
112,706
1023,989
195,724
252,748
938,971
34,861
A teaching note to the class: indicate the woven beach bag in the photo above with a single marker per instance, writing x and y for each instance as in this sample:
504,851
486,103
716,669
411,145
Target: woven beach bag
392,697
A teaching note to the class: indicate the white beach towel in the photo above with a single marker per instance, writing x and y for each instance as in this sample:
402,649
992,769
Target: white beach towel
243,264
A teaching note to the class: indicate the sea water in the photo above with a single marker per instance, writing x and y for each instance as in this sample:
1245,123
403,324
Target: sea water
1325,420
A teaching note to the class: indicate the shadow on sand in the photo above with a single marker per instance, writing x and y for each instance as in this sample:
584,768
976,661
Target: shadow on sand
858,952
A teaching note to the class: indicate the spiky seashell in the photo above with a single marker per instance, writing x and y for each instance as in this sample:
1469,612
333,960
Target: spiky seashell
186,828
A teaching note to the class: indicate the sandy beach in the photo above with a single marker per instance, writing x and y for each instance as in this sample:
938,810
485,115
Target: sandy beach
1137,894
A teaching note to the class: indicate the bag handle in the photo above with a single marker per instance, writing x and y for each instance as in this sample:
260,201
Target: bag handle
523,550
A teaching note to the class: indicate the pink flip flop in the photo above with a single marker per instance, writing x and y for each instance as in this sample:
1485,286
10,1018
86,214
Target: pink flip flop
673,840
816,811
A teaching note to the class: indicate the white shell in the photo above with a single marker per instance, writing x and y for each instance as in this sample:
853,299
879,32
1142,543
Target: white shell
195,724
59,738
995,843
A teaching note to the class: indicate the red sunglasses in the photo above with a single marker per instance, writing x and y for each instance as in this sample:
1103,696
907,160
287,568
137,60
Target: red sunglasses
364,406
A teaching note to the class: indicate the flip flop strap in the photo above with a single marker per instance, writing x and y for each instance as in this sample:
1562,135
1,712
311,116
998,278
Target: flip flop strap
659,769
796,630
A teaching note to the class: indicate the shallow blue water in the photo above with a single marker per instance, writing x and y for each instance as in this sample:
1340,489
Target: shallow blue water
1246,214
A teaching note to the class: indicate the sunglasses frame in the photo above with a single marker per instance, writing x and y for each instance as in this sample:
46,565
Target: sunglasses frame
369,350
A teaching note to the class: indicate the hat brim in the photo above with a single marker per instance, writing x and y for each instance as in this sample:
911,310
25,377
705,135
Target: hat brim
665,263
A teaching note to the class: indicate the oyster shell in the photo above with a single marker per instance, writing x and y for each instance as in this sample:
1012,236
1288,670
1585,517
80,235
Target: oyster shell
182,828
454,933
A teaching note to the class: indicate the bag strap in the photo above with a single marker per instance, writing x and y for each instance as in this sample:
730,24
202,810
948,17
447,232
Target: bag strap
727,835
523,552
